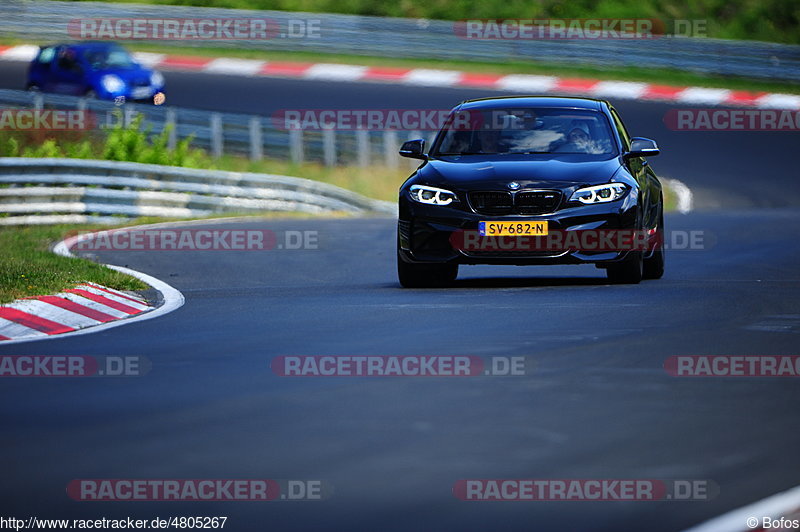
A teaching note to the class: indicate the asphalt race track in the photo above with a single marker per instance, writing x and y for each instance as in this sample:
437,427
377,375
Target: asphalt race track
597,402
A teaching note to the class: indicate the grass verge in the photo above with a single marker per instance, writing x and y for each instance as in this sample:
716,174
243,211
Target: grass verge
29,268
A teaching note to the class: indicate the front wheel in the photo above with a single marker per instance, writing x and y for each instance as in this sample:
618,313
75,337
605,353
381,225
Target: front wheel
629,271
654,266
413,275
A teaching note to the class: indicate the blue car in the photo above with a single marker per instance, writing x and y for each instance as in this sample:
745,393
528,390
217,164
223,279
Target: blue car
96,70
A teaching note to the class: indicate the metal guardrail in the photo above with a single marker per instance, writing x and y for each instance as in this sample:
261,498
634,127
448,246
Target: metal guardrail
39,191
46,21
236,134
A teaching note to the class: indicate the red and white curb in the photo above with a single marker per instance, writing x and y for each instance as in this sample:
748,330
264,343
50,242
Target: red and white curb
86,308
425,77
83,306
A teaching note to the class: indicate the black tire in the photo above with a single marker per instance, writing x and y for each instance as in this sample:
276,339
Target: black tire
425,275
654,266
629,271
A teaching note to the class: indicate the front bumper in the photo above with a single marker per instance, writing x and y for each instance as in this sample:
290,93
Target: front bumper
149,95
437,234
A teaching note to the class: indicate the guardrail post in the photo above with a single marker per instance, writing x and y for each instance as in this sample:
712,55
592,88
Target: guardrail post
256,151
81,105
38,101
329,146
296,145
390,147
362,147
127,115
171,121
216,135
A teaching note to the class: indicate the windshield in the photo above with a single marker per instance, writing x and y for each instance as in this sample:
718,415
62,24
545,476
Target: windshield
526,131
107,58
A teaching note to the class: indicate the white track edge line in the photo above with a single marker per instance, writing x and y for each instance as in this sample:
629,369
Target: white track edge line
736,520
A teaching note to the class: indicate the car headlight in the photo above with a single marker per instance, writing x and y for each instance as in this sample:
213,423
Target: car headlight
599,193
157,79
112,83
432,195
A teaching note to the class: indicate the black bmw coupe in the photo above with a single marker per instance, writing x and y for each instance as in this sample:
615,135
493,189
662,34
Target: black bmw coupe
531,181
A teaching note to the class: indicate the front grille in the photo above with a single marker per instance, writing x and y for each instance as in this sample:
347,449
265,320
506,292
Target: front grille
491,202
537,202
497,202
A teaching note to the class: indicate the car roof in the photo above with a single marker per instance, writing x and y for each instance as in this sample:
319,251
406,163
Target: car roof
87,45
505,102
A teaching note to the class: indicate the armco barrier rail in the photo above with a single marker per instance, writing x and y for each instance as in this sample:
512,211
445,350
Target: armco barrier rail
238,134
46,21
39,191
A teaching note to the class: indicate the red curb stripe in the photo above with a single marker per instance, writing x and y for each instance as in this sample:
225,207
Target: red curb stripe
105,301
744,97
661,92
386,73
4,48
285,69
479,80
71,306
33,322
117,293
185,62
4,337
575,85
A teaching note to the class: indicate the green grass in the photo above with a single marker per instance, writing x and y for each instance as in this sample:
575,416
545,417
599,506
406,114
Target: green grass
766,20
29,268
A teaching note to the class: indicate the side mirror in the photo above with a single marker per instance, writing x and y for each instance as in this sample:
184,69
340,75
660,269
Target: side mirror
642,147
415,149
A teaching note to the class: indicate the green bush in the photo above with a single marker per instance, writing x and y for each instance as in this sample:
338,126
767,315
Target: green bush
121,142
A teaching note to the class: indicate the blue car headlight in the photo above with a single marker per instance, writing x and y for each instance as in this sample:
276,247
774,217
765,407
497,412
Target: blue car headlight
431,195
112,83
599,193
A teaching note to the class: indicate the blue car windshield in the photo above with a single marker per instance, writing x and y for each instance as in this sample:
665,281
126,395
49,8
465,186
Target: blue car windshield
108,58
526,131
